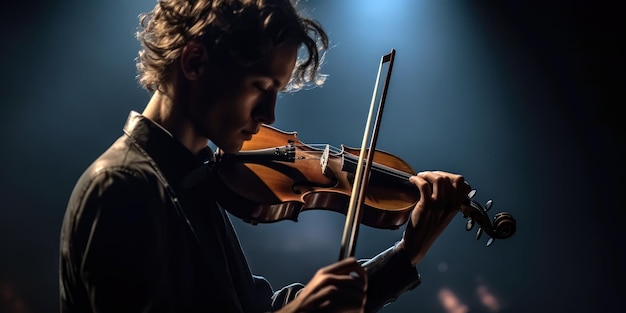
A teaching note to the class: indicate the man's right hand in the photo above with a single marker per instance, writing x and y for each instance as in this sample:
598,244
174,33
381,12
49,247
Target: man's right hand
339,287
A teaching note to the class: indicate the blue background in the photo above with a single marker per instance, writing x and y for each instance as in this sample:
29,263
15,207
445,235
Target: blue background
523,99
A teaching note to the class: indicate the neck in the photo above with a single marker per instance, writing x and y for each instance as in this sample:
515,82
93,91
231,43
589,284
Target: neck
161,110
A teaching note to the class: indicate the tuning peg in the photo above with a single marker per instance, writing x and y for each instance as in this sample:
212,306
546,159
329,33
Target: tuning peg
471,194
488,205
490,241
470,224
479,232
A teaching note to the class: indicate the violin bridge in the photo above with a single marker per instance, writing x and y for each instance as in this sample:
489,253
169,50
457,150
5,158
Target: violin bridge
324,159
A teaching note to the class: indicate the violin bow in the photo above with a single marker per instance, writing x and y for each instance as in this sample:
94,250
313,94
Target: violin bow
357,198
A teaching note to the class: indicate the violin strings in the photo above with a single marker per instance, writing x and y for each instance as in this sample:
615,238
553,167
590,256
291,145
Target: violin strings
382,168
319,149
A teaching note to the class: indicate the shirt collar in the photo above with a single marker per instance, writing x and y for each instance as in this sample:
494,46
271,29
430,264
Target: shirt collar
169,154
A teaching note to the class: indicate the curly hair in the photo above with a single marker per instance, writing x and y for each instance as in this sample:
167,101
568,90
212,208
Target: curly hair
240,31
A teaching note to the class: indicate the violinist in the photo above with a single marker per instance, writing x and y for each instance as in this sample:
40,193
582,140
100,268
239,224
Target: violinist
137,237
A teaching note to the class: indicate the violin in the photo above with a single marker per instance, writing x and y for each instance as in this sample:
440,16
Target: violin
275,176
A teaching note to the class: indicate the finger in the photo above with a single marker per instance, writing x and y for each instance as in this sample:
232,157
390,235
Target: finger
349,300
360,275
457,180
346,273
344,281
461,188
441,185
332,288
344,266
424,188
336,299
462,185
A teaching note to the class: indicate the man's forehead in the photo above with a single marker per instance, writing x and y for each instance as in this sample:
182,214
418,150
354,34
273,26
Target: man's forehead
278,64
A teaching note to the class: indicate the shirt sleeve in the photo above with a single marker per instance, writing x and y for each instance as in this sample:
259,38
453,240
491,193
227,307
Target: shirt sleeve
390,274
115,246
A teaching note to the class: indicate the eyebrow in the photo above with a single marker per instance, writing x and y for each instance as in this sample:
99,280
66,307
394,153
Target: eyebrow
264,70
276,83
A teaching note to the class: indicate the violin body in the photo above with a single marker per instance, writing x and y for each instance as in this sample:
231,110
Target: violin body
268,191
275,177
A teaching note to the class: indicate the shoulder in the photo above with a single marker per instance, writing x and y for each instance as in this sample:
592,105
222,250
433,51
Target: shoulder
120,192
121,167
121,177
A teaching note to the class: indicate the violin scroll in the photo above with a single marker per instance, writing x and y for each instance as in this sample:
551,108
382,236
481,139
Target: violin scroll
503,226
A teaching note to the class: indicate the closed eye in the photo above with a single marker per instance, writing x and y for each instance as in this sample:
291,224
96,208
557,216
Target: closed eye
262,87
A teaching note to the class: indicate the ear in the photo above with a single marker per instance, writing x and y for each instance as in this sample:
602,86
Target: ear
194,60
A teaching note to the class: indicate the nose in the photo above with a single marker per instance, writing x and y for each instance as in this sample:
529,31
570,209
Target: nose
264,112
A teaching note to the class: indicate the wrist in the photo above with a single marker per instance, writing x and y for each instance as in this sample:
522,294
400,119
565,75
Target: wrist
414,255
400,246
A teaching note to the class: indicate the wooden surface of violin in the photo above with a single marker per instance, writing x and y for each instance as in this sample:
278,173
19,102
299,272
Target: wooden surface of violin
276,176
273,190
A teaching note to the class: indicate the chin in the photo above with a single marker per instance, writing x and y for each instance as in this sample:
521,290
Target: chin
231,148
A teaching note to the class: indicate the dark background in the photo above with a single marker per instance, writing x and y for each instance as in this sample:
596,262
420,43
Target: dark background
522,98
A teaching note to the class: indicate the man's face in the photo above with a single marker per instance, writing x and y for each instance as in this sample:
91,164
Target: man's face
232,103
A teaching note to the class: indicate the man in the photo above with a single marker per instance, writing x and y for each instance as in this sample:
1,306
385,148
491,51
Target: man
140,235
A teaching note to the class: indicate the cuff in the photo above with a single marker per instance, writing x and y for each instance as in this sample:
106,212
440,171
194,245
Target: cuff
390,274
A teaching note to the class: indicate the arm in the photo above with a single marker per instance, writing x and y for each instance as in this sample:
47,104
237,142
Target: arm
393,272
338,287
441,196
114,244
390,274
